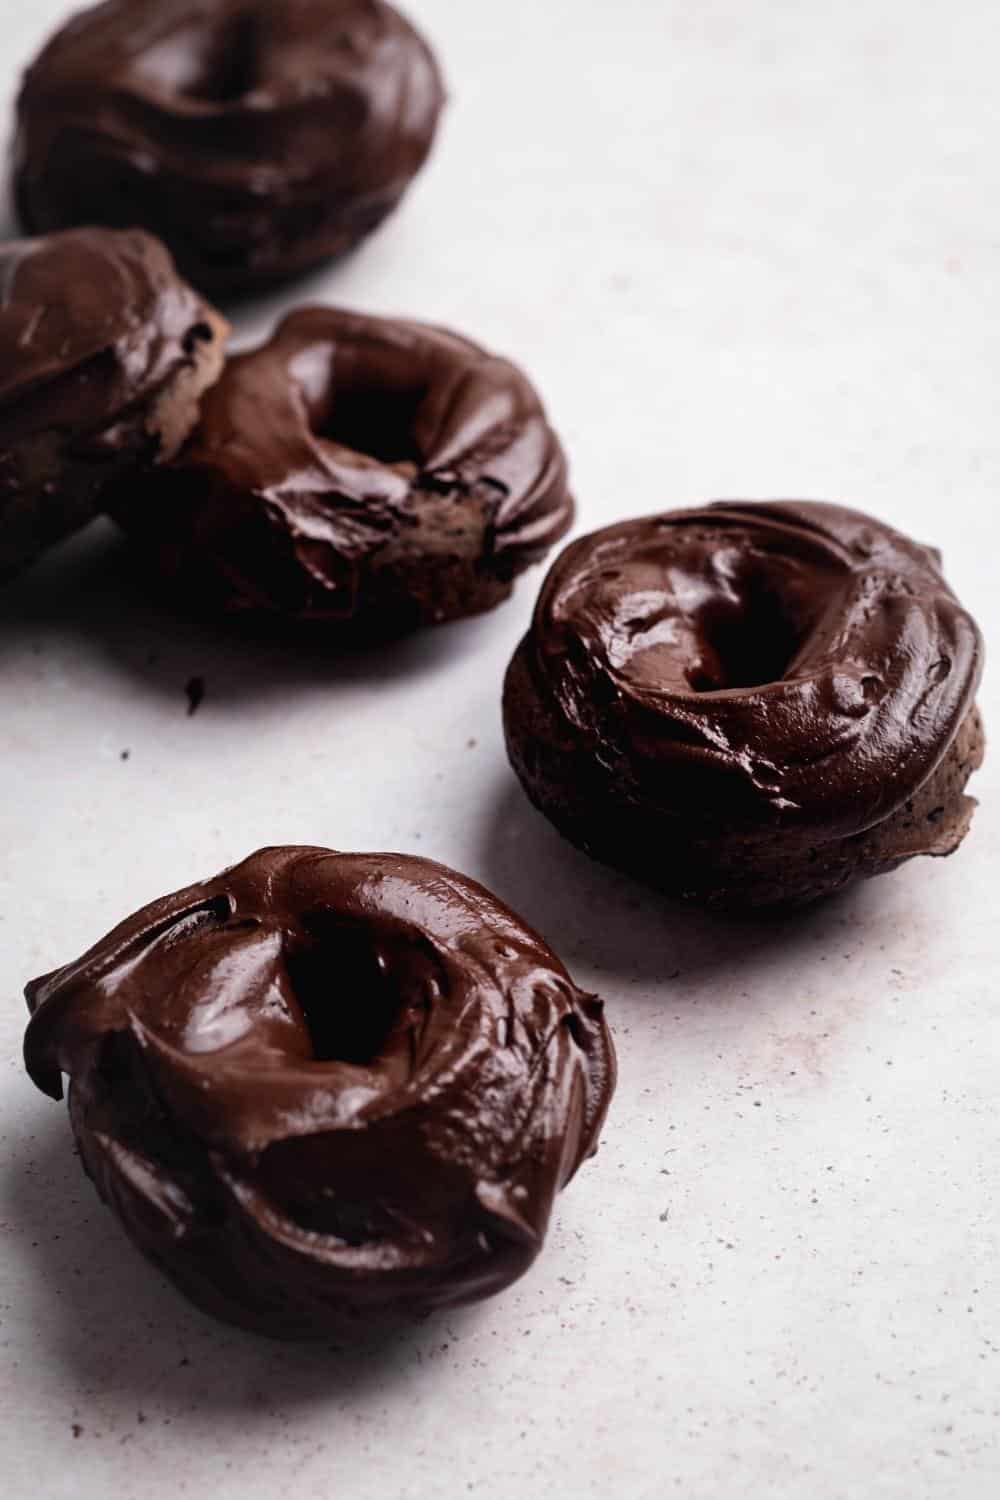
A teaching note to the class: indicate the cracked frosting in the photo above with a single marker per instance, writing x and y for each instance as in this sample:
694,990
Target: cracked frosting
358,469
325,1084
103,354
255,138
792,665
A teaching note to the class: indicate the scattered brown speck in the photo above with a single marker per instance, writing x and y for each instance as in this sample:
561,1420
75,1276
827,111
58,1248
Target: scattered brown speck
126,754
195,690
77,1430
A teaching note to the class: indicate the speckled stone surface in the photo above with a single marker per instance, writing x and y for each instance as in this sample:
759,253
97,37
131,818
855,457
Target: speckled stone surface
743,249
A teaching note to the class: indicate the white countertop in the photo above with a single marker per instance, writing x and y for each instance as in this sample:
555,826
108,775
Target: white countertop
746,248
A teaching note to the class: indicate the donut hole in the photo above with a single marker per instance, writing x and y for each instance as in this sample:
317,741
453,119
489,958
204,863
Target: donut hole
710,621
748,643
230,67
346,991
211,67
375,422
690,633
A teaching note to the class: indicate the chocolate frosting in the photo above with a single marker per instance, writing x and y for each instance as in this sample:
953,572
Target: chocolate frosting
791,664
245,133
94,327
327,1083
90,322
347,450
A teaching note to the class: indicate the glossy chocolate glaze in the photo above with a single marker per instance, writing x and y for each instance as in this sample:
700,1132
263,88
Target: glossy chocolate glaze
326,1084
95,326
255,138
352,469
789,666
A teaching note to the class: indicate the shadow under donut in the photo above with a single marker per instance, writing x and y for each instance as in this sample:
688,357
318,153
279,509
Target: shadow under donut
92,589
126,1339
594,916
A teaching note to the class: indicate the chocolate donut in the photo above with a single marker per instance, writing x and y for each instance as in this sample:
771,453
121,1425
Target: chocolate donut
749,704
257,139
360,475
324,1087
104,355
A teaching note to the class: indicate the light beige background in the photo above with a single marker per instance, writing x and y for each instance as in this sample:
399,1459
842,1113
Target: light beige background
747,249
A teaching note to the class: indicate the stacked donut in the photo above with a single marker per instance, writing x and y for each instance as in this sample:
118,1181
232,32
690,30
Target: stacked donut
321,1085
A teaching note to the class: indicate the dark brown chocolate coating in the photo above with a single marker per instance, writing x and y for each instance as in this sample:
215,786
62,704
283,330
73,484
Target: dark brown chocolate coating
104,353
739,703
361,475
327,1086
255,138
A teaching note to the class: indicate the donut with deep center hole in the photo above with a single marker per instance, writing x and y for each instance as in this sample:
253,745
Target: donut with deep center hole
324,1086
359,475
104,355
749,704
256,139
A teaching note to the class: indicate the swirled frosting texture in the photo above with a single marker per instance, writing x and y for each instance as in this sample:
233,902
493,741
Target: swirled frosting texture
358,469
69,298
255,138
793,665
103,353
325,1083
